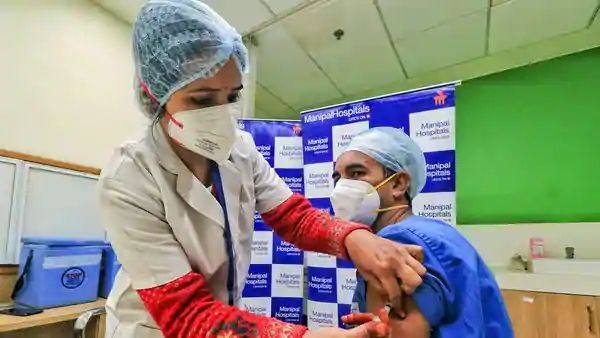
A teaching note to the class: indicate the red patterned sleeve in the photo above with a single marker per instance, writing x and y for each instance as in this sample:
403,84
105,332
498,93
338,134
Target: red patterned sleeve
308,228
186,308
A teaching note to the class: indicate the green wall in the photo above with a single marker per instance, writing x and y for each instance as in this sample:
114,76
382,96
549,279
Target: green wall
528,143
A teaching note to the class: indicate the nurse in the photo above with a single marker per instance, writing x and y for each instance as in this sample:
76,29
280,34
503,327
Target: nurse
377,177
179,202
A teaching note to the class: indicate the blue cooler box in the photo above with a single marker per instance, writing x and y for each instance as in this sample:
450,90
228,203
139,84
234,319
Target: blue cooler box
110,267
58,272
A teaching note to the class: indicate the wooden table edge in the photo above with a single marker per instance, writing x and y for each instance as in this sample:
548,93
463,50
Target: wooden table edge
49,316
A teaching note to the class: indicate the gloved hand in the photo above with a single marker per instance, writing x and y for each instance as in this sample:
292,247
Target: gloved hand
390,268
369,326
354,319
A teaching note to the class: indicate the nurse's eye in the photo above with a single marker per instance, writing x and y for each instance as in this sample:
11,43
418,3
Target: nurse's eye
203,102
235,97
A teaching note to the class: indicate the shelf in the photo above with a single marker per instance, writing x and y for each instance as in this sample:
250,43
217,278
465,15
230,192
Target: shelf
49,316
546,282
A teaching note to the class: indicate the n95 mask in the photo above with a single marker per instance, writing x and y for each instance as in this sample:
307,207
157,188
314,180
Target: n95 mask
355,200
209,132
358,201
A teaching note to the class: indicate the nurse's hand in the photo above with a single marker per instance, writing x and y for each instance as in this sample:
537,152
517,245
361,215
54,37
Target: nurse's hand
382,263
354,319
367,329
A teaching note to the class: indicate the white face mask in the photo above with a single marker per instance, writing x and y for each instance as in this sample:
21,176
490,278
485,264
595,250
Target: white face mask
209,132
358,201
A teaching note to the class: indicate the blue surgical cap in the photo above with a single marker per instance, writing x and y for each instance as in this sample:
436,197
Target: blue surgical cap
176,42
396,151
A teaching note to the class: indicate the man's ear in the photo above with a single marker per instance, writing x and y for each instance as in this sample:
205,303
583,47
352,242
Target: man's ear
400,186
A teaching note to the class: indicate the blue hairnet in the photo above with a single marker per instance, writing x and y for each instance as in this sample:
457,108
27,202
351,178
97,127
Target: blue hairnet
176,42
396,151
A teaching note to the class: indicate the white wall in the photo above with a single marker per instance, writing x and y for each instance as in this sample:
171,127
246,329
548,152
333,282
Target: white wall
497,243
66,77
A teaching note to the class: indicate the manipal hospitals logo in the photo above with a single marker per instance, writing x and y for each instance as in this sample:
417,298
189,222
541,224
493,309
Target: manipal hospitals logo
440,98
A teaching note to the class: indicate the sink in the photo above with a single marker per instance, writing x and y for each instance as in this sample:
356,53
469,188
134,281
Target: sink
581,267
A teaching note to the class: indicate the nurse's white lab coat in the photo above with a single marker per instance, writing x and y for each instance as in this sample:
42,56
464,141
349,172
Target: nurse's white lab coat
163,223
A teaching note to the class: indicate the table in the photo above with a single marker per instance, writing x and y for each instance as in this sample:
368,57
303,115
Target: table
57,319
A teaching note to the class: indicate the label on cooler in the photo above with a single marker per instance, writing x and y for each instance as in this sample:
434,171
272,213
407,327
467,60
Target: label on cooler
73,278
55,262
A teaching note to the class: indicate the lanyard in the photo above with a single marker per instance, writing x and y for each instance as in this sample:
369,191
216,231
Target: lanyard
218,183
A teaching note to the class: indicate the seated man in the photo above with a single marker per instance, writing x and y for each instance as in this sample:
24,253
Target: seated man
377,177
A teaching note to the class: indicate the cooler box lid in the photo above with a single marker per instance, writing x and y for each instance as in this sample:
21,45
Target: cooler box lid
62,241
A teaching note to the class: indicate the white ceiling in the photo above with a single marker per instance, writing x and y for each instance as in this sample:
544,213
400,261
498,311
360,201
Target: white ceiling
280,6
301,64
406,18
243,14
279,54
354,53
518,23
455,41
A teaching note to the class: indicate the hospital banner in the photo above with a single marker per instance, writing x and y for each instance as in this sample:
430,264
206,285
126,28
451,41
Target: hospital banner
427,116
274,286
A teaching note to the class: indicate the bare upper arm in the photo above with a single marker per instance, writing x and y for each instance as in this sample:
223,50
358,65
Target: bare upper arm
414,325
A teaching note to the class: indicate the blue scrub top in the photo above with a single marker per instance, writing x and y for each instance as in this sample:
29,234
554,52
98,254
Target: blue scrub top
459,296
